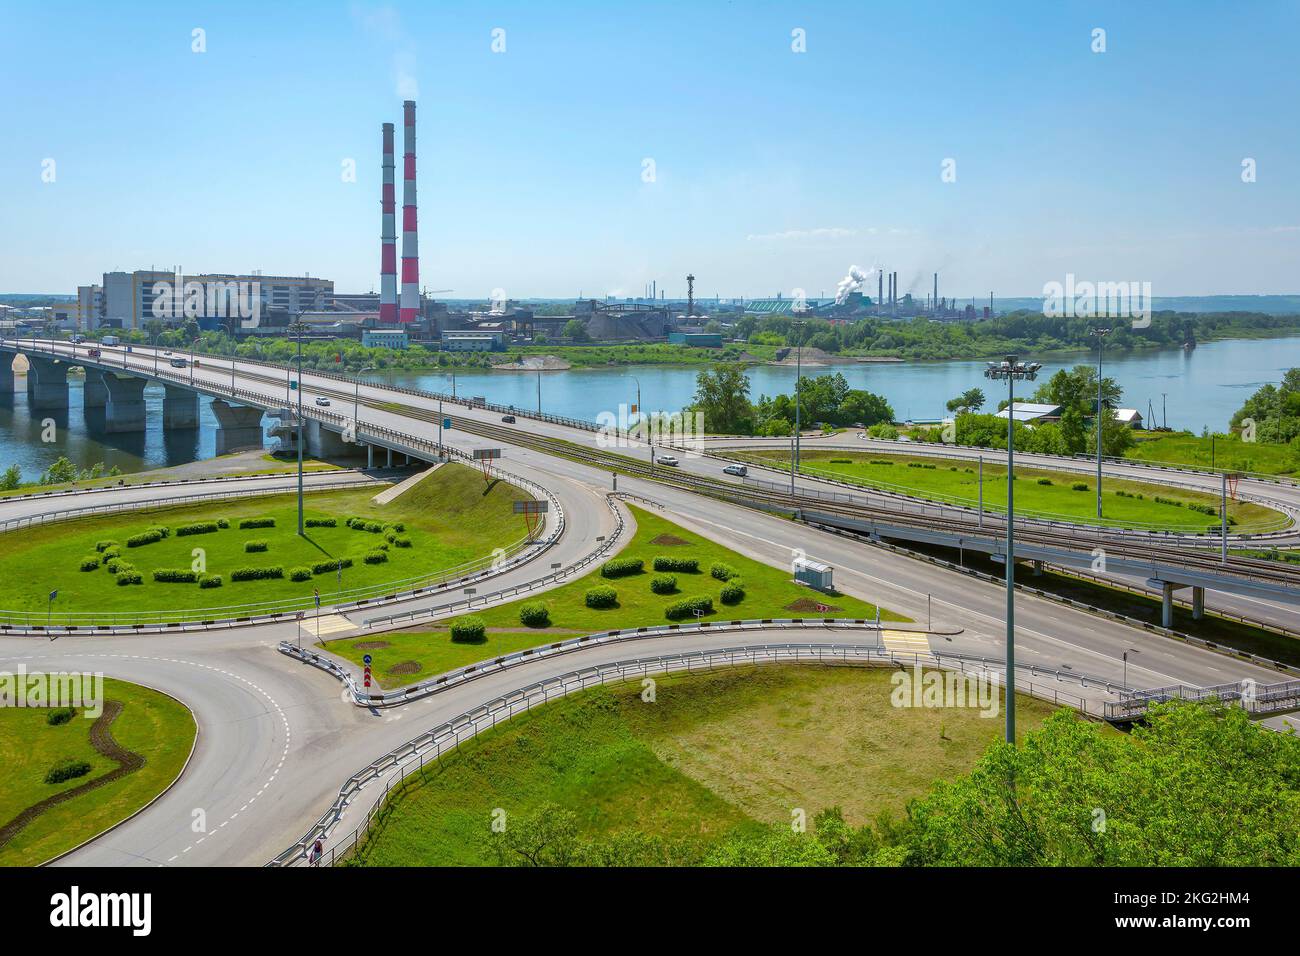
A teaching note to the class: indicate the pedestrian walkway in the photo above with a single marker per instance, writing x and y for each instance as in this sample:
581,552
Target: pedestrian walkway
905,642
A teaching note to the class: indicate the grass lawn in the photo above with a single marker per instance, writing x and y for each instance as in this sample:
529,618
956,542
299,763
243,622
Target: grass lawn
449,518
1184,448
715,752
768,592
151,724
957,480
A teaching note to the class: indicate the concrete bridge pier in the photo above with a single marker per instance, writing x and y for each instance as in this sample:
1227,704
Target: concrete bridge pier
6,376
1167,589
239,427
180,408
370,456
324,443
94,394
125,411
1198,603
47,383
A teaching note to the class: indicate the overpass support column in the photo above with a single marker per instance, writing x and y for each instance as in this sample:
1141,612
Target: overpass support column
1038,567
94,394
125,409
6,376
47,383
323,443
370,456
1198,603
390,457
1166,604
180,408
238,426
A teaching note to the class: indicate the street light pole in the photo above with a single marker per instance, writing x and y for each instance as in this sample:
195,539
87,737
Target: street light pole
298,328
1011,369
798,377
1101,339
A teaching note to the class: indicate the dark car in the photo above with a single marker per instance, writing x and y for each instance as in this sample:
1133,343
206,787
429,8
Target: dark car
508,419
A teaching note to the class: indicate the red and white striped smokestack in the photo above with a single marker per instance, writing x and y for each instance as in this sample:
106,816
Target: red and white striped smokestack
388,236
410,307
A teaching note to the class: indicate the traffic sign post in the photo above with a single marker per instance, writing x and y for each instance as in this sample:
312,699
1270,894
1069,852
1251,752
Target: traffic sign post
366,662
532,510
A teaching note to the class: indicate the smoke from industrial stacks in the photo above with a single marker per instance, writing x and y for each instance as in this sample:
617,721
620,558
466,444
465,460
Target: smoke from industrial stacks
852,282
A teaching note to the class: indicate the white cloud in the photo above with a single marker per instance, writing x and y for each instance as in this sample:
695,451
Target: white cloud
833,232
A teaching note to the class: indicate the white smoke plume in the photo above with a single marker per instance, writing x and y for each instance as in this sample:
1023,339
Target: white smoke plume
852,282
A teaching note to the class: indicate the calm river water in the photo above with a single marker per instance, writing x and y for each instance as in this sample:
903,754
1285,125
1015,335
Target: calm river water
1198,388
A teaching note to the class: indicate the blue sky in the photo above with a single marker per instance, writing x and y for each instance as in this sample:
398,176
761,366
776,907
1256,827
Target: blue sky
774,170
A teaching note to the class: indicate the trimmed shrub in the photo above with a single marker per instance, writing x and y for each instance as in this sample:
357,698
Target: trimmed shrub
688,607
144,537
90,563
375,557
534,614
175,575
210,581
321,522
60,715
723,572
203,527
685,565
256,522
621,567
103,546
1210,510
223,523
401,542
469,630
112,551
68,769
733,592
663,584
300,574
601,598
390,536
253,547
162,529
117,565
257,574
324,567
840,461
398,526
129,577
1044,481
1079,486
1168,501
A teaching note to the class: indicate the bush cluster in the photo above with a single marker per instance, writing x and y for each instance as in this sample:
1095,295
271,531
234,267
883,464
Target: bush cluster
60,715
202,527
534,614
375,557
210,581
733,592
684,565
401,542
1079,486
621,567
601,597
129,577
253,547
256,523
90,563
300,574
1044,481
1128,494
223,523
103,546
723,572
321,522
663,584
1168,501
175,575
150,536
469,630
257,574
324,567
688,607
116,565
68,769
1210,510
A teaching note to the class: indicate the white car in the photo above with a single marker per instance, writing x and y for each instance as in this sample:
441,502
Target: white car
667,460
322,401
740,471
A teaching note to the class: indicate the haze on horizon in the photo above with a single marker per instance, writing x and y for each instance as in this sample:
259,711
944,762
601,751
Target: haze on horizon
773,169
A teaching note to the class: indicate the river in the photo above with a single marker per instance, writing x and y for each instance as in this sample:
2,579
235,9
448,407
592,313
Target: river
1199,388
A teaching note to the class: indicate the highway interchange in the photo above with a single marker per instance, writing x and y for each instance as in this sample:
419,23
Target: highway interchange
277,738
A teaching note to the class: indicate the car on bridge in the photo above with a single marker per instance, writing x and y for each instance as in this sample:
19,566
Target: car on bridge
322,401
179,363
740,471
508,419
93,353
667,460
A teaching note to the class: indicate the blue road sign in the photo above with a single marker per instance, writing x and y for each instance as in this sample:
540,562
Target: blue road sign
446,423
366,660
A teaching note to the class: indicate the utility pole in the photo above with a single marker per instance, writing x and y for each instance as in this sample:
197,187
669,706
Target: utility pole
1011,368
1101,338
798,378
298,328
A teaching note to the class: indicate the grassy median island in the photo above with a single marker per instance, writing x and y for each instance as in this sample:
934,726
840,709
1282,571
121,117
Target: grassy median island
402,657
152,734
252,550
1223,451
715,754
1063,495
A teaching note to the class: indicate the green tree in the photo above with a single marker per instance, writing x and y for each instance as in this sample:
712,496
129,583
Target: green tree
575,330
971,400
11,479
722,394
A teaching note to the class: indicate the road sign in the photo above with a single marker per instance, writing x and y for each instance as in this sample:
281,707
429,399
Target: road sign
446,423
316,595
532,507
293,386
487,454
366,660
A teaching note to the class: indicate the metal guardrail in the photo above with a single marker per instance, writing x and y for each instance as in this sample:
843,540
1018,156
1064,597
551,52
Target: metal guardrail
412,756
1254,698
